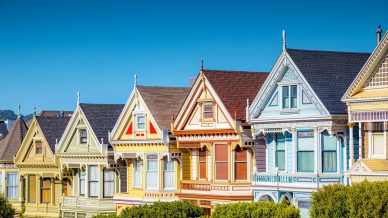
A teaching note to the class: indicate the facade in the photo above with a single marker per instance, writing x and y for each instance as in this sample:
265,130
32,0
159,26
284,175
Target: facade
40,179
9,173
300,124
367,103
148,160
86,161
214,138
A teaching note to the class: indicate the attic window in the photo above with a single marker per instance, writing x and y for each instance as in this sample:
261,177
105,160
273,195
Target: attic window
289,96
38,147
140,122
83,136
207,109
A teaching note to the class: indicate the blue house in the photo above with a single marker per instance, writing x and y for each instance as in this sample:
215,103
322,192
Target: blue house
300,124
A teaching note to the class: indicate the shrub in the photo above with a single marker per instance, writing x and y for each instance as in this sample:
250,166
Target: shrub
366,199
6,210
263,209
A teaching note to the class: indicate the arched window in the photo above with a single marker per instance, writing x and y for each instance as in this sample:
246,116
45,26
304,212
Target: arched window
266,198
240,163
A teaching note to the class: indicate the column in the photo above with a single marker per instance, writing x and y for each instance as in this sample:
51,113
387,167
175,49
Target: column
345,160
52,189
351,145
360,140
101,181
38,191
294,149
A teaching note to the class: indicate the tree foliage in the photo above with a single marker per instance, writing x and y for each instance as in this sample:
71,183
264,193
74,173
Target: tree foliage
6,210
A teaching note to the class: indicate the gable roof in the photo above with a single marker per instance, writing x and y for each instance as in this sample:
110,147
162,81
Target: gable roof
52,128
102,118
11,143
235,87
329,73
163,102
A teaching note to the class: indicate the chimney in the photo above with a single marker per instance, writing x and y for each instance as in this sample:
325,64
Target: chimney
379,32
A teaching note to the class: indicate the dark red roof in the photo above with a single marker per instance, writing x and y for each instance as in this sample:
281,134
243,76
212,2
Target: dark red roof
235,87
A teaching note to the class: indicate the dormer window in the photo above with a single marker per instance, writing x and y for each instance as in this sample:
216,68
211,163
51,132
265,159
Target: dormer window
83,136
289,96
38,147
207,111
140,122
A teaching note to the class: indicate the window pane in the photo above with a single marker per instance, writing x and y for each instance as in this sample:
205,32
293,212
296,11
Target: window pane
221,156
280,141
280,159
108,183
285,97
152,174
12,185
294,96
140,122
93,181
83,136
137,166
329,142
46,191
82,183
222,171
305,161
305,140
329,161
208,110
378,144
169,174
202,164
240,168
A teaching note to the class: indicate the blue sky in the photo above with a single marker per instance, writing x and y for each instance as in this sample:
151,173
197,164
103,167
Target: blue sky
51,49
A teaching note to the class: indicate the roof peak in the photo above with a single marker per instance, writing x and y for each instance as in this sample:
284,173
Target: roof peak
162,87
233,71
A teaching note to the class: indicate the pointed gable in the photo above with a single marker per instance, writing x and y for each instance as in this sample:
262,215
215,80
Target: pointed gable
11,143
329,73
235,87
52,128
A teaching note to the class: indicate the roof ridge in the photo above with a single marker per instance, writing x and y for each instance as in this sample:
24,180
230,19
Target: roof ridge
100,104
162,87
234,71
327,51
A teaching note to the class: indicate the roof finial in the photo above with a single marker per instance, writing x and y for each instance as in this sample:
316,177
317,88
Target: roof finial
284,40
19,111
201,64
134,80
379,32
34,111
78,98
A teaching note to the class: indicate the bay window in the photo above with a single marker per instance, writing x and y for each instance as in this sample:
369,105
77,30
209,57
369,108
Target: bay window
12,186
221,160
109,183
305,154
137,166
329,153
280,154
152,172
240,164
169,175
93,180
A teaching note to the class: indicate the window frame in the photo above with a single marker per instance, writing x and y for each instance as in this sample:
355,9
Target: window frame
13,186
83,139
172,174
137,116
82,182
110,182
137,167
290,96
38,142
152,157
304,151
44,189
204,161
325,150
280,150
221,161
93,181
372,146
207,105
236,162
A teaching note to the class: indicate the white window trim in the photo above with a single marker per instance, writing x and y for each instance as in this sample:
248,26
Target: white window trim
79,136
157,174
174,178
137,129
298,96
133,175
371,145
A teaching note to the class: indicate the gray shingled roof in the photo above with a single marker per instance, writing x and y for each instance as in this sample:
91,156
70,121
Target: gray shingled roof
102,118
53,128
329,73
163,102
11,143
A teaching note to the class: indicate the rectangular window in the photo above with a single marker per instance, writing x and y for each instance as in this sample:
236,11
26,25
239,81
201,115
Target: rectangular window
38,147
202,164
280,153
137,166
45,190
221,159
140,122
12,186
329,153
240,164
208,110
305,156
31,189
294,95
378,145
83,136
82,176
285,97
93,179
152,172
169,175
109,183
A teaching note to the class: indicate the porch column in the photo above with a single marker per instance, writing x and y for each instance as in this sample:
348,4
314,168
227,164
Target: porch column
351,145
87,181
360,140
52,189
345,160
101,181
294,145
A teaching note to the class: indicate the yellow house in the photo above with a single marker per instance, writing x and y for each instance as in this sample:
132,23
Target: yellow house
215,139
9,174
41,186
149,163
367,103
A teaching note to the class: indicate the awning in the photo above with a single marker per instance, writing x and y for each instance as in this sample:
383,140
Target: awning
369,116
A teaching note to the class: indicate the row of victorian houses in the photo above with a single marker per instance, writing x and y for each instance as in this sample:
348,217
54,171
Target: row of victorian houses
318,118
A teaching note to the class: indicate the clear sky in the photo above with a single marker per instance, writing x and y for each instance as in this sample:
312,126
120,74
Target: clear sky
50,49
